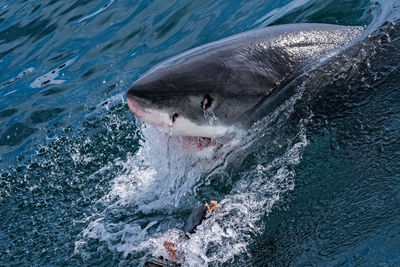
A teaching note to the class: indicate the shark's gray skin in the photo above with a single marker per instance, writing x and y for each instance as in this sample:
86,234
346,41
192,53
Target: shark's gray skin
216,88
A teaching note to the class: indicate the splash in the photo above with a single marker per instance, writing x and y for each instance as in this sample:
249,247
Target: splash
210,116
162,179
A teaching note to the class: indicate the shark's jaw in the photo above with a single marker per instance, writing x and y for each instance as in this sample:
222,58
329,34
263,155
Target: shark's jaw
181,128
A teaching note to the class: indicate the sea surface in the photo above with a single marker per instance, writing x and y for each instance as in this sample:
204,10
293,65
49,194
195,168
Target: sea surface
84,183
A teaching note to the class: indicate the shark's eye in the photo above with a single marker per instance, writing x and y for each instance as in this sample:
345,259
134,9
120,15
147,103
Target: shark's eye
174,117
207,101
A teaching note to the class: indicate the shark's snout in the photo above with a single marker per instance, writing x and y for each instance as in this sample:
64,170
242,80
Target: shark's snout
134,106
138,100
147,114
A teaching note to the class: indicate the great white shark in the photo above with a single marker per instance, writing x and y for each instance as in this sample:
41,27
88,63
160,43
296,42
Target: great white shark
218,88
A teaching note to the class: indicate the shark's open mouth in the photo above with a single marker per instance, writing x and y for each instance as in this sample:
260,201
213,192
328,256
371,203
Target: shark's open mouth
199,142
191,142
202,143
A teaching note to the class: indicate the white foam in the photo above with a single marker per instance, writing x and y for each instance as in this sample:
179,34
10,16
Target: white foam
50,77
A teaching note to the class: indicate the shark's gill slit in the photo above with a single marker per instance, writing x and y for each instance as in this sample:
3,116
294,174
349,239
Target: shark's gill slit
207,102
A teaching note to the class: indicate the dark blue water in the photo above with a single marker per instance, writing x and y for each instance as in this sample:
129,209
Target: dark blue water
315,183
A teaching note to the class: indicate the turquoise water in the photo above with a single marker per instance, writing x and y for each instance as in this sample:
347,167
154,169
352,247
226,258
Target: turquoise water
315,183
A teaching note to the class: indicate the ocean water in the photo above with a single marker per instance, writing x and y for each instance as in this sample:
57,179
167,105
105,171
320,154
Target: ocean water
316,182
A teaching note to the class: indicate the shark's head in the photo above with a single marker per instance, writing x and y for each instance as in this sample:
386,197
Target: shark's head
196,97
